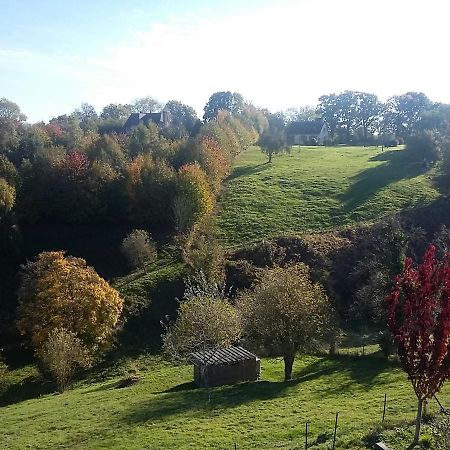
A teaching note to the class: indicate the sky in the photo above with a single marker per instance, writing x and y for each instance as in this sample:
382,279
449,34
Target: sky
56,54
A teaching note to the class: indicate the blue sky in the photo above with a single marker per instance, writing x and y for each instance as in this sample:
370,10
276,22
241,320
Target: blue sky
55,55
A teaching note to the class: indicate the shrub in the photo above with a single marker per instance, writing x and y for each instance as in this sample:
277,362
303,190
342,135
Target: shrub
441,432
424,146
139,248
386,343
61,354
3,368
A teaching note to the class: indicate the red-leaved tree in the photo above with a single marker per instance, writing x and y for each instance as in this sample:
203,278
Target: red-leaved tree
419,318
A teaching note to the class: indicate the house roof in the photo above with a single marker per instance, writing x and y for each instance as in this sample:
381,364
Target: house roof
136,118
309,127
222,356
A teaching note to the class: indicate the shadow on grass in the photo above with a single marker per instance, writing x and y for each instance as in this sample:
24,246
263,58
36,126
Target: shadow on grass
399,165
248,170
29,388
184,398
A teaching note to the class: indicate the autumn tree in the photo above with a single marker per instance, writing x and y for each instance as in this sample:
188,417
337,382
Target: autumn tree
7,197
286,312
63,292
419,319
193,195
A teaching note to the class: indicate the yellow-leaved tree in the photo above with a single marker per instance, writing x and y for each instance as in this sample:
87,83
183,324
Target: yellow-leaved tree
62,292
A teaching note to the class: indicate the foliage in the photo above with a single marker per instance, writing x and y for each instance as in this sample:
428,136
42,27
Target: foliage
182,120
441,432
61,354
193,188
203,323
10,110
146,105
202,251
63,292
419,318
7,197
225,100
286,312
273,139
425,147
139,248
386,343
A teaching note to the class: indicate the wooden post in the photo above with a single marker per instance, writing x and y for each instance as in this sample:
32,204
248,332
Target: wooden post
235,446
384,408
306,437
335,430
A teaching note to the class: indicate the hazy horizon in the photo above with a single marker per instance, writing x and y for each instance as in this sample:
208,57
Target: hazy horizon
55,56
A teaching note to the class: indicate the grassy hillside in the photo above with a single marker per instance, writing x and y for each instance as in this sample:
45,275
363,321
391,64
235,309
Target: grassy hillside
166,411
318,188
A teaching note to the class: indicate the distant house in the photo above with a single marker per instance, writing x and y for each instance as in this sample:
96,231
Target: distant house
225,366
308,132
136,119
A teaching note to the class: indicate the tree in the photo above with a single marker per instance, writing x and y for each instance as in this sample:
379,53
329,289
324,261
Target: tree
61,354
63,292
10,110
138,248
204,323
301,113
419,319
146,105
224,100
273,139
404,112
7,197
116,111
182,120
286,312
328,109
194,190
368,110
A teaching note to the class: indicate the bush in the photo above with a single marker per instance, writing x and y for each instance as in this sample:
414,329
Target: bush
441,432
386,343
3,368
61,354
139,248
424,146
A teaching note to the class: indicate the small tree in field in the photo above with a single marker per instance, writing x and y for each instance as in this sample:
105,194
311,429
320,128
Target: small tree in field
204,323
419,318
139,248
286,312
273,139
62,353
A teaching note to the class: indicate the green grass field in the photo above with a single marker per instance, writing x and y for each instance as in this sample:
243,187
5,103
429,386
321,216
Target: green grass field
165,411
317,188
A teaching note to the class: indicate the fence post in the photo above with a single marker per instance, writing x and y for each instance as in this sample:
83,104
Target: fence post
306,436
335,430
384,408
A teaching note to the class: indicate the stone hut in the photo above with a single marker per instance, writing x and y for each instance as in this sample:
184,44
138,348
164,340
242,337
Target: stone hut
225,366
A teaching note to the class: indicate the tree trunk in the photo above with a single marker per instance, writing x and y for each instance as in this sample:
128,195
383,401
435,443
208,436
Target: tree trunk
418,421
288,362
270,157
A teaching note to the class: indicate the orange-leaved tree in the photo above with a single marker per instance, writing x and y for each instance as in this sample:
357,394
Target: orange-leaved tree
419,318
63,292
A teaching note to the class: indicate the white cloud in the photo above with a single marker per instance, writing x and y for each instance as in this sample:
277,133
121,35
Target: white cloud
279,56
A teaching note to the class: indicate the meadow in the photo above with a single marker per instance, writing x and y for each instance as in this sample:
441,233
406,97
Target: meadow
165,410
318,188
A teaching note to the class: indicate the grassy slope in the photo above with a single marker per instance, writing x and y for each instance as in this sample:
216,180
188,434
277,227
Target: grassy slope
317,188
165,411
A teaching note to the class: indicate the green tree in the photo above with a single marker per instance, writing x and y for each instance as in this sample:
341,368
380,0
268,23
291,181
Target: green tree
11,111
273,139
116,111
204,323
146,105
224,100
368,110
182,120
286,312
139,248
